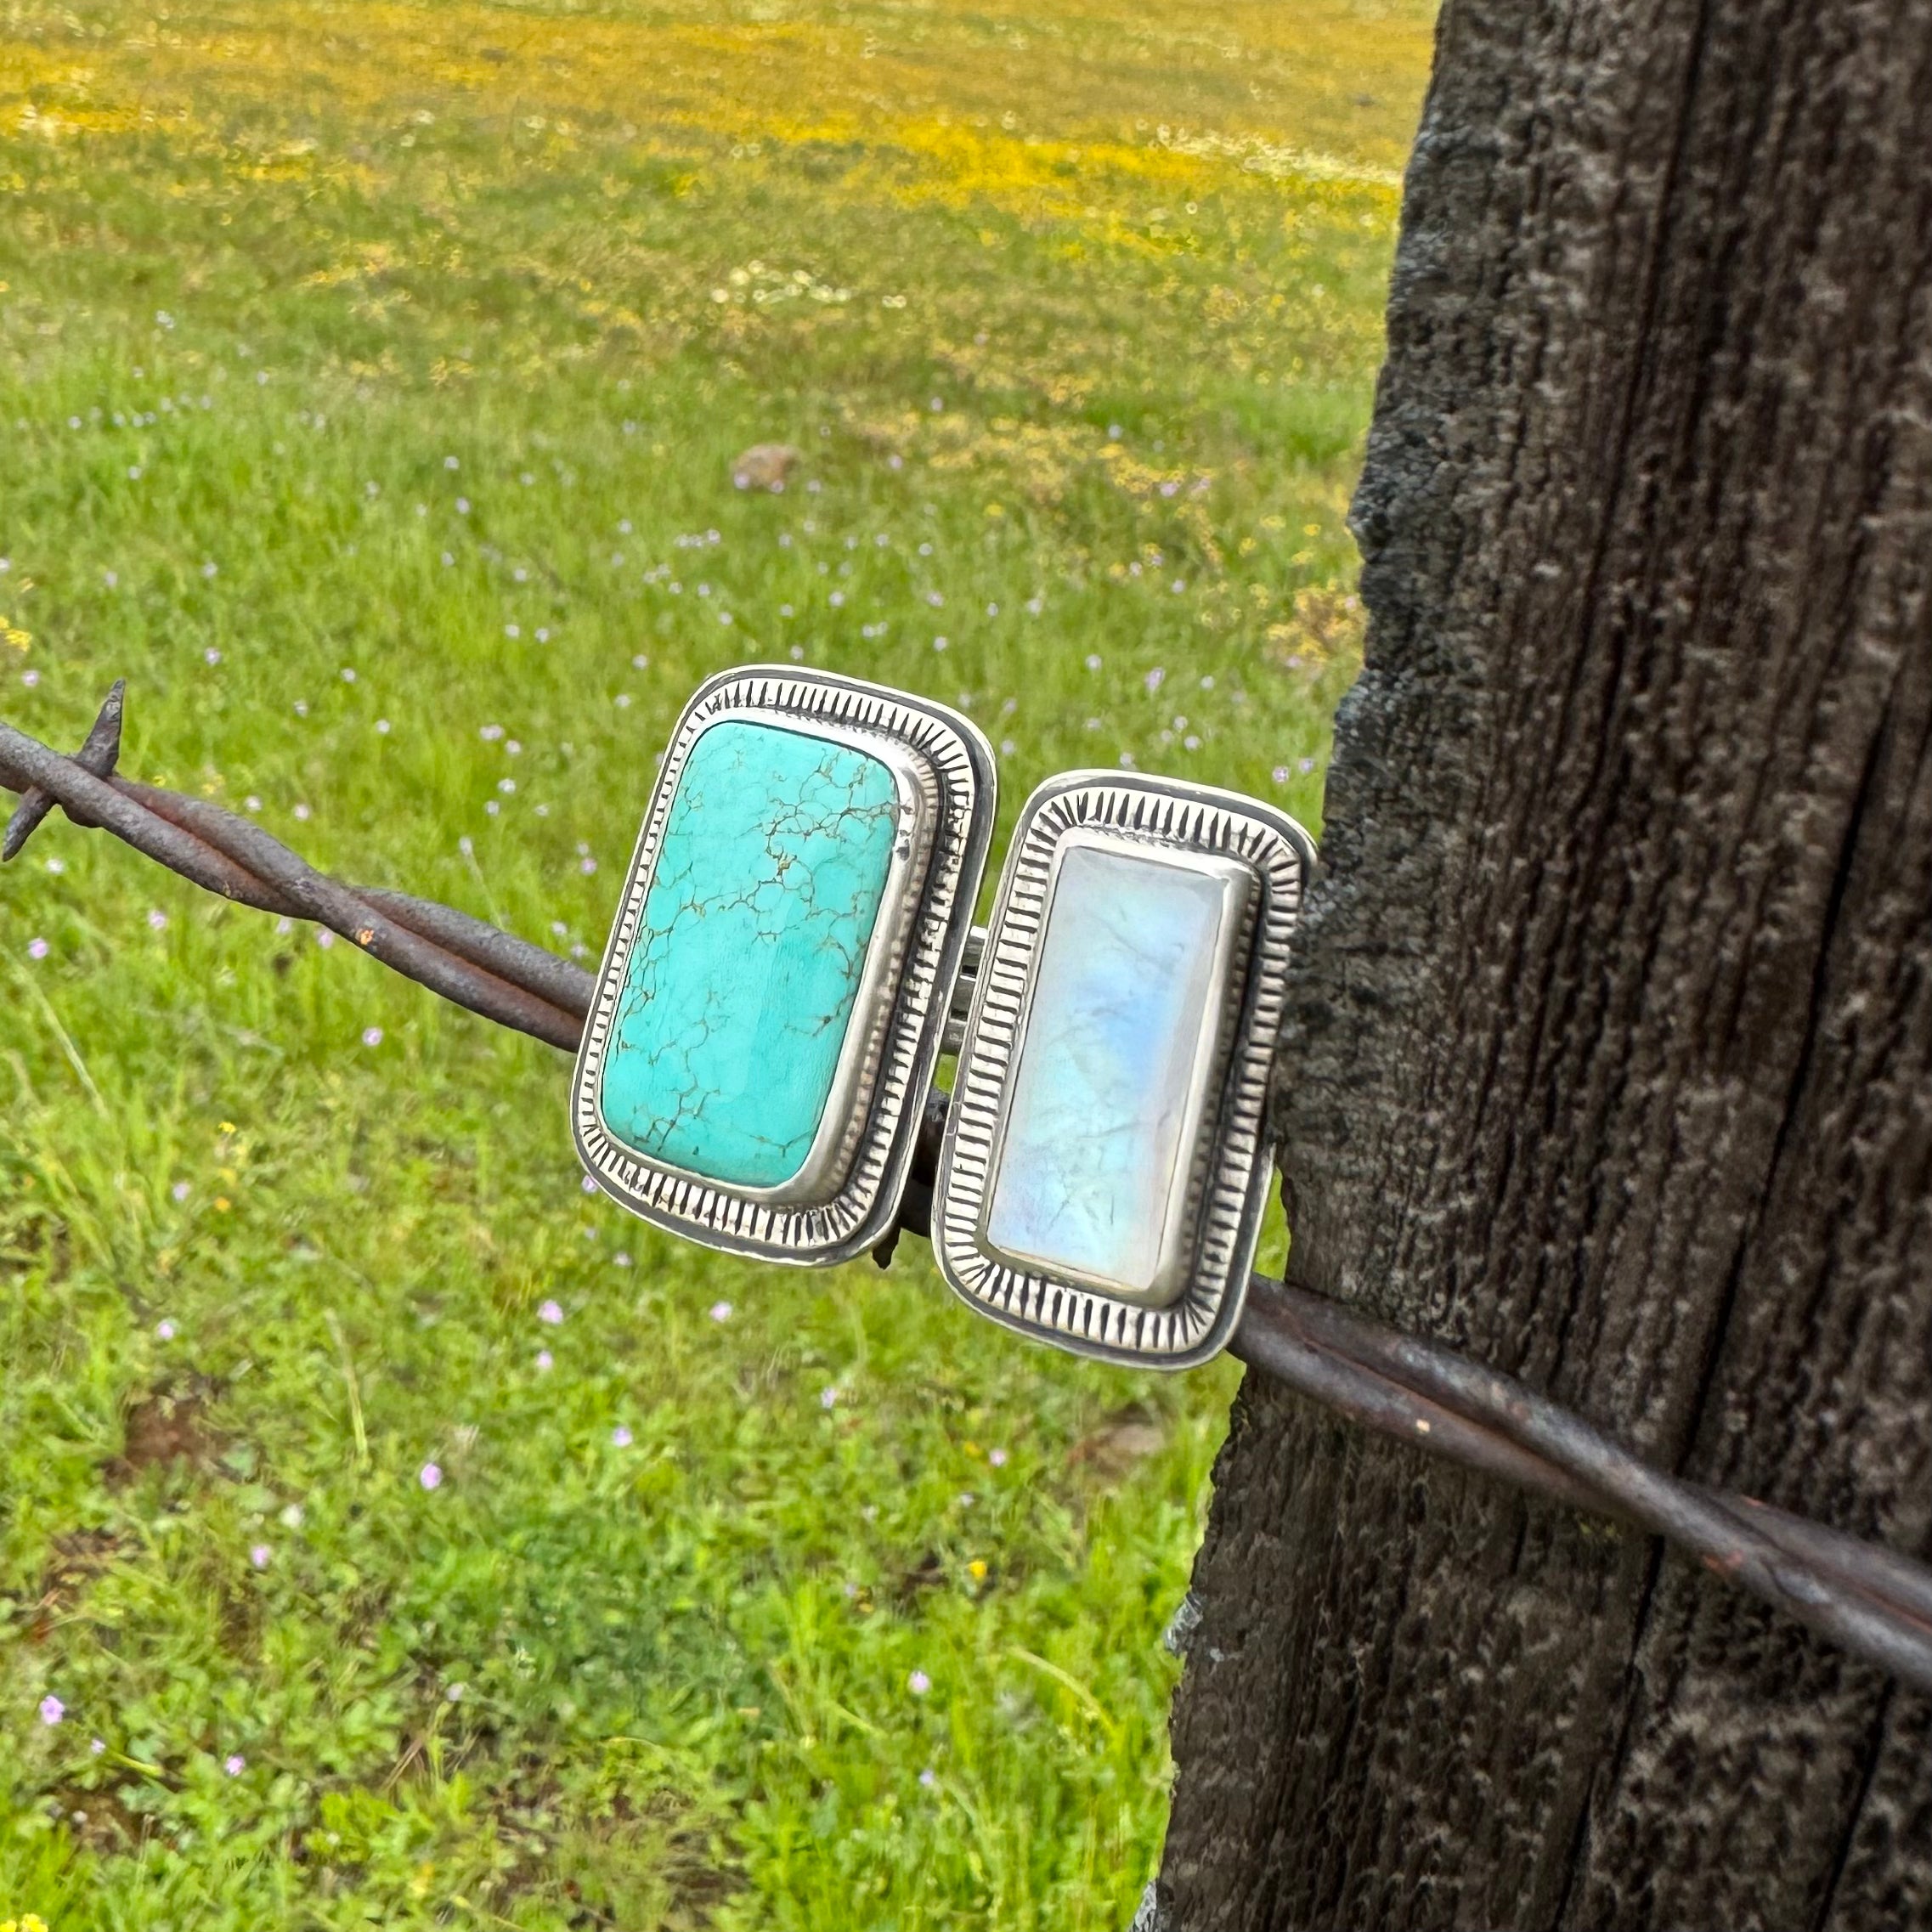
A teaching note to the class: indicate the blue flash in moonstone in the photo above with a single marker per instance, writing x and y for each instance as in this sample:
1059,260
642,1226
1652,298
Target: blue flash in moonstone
1113,1070
741,985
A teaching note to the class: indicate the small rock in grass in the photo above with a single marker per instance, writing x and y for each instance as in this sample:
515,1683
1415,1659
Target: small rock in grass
765,466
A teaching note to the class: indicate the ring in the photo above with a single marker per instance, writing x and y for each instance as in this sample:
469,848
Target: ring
785,972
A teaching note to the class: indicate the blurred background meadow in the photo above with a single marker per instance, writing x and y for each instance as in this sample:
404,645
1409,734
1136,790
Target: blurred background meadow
390,1534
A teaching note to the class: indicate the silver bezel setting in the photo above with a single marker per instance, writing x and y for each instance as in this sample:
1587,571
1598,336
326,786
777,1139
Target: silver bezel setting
1229,1184
945,772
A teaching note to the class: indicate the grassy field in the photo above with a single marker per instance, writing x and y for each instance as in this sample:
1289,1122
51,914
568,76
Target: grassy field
372,377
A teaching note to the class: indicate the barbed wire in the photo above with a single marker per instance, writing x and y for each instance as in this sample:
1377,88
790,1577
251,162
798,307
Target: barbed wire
467,960
1873,1601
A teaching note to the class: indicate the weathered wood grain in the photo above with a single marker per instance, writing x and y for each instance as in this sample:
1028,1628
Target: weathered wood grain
1611,1058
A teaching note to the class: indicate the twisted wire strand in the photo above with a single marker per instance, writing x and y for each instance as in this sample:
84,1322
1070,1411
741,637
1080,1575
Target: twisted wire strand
467,961
1873,1601
1867,1598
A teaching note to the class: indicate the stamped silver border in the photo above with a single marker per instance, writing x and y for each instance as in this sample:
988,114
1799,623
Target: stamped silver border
1232,1178
913,987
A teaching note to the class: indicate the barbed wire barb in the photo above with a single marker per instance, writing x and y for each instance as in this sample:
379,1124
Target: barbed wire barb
99,755
467,960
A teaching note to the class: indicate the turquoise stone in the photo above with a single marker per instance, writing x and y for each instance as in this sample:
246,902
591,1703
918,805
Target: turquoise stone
743,976
1111,1079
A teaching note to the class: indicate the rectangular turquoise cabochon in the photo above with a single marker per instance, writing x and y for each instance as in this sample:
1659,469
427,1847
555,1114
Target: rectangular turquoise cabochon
746,965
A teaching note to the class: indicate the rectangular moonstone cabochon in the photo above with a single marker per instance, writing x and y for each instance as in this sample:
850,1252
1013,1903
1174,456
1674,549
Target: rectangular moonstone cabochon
751,951
1091,1171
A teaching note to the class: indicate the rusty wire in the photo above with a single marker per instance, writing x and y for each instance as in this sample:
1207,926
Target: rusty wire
465,960
1871,1600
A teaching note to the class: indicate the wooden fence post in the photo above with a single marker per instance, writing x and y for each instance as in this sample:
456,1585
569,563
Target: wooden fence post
1611,1061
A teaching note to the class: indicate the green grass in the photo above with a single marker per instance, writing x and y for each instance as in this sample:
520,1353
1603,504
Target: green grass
417,344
